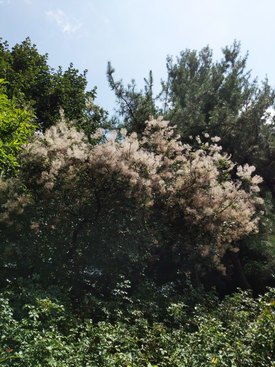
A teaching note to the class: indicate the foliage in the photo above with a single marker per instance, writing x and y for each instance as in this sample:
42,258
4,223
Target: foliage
113,240
239,332
130,198
16,127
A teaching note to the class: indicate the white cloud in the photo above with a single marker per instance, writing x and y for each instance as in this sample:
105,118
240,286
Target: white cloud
68,25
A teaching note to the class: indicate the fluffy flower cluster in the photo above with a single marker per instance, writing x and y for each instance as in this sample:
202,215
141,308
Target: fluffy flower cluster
198,185
153,168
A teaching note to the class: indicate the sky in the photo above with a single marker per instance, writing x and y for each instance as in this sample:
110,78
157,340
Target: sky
137,35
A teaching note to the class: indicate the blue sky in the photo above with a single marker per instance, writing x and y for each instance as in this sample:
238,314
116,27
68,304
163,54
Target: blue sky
137,35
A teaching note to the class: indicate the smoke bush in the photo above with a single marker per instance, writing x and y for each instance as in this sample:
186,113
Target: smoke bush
153,170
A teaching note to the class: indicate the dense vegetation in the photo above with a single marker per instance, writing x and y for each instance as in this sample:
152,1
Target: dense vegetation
143,239
238,331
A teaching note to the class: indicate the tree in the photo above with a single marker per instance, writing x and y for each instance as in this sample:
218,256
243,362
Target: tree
220,99
32,82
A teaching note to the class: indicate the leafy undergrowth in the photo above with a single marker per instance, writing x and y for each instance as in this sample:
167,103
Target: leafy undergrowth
238,332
